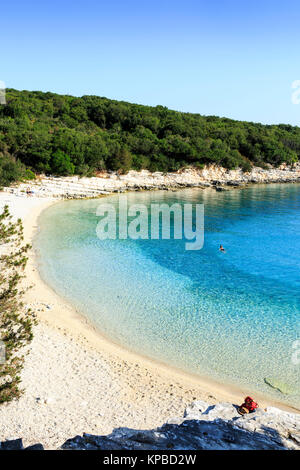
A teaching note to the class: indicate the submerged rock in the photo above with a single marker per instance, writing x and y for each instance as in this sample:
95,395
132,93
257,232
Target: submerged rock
277,385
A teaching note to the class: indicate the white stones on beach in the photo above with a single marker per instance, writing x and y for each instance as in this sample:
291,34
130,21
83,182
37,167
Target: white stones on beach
77,389
71,387
49,401
195,409
215,176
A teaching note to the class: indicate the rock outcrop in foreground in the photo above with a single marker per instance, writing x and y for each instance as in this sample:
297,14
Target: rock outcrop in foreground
203,427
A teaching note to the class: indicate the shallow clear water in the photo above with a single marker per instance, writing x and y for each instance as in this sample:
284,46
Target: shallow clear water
232,317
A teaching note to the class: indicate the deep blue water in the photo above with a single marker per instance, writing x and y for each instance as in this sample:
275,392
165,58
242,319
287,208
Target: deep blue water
233,317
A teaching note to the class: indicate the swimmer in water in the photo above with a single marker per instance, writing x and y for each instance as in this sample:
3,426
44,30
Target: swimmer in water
222,249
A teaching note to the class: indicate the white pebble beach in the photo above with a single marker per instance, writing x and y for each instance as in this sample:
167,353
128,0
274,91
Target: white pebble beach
75,380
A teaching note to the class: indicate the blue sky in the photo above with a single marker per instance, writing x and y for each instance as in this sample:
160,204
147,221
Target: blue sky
228,58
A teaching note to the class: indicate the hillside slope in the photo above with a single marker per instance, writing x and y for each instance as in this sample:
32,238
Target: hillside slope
65,135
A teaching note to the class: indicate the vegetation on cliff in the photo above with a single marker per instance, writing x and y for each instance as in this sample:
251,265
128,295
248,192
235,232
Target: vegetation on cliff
63,135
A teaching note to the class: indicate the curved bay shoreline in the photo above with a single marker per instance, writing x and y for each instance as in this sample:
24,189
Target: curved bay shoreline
76,380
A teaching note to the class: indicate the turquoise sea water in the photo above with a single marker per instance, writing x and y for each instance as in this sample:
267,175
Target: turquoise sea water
233,317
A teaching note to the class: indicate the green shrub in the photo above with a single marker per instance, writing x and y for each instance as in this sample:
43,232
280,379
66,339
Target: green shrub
61,164
121,161
10,170
246,166
29,175
15,320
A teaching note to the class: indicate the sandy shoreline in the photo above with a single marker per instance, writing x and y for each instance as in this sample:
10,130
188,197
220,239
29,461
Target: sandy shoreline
78,381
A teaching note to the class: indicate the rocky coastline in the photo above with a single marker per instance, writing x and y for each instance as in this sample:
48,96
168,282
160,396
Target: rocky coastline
75,187
203,427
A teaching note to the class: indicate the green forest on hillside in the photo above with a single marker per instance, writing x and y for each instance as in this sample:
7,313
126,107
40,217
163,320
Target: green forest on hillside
65,135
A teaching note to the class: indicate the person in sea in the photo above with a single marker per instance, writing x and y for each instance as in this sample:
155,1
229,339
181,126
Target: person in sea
222,249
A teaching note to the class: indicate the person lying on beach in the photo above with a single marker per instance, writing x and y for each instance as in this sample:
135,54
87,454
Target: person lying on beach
222,249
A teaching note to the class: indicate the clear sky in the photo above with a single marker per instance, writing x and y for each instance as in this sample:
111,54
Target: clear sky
227,57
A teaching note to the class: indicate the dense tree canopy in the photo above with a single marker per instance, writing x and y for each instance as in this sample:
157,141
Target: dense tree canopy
66,135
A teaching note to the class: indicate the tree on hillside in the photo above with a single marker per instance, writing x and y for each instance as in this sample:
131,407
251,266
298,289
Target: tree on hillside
61,164
12,170
121,161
